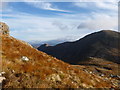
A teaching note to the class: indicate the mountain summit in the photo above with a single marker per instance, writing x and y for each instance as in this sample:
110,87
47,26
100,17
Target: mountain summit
103,44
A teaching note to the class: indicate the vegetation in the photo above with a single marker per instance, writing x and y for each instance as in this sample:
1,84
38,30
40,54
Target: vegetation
42,70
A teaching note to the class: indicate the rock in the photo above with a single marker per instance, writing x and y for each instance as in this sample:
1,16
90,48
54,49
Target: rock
84,85
4,29
102,75
13,71
2,73
49,60
1,79
118,76
90,72
114,76
54,77
24,58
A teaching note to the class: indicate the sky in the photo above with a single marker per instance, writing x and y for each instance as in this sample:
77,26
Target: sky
70,20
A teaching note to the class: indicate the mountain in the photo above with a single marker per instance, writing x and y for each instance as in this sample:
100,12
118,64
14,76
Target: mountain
103,44
36,44
26,67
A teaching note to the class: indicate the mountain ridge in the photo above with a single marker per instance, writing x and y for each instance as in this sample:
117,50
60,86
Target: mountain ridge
105,40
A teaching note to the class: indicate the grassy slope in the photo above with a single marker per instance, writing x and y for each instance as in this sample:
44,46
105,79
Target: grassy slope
42,70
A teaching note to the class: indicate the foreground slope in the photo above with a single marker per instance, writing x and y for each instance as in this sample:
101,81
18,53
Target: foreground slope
103,44
26,67
41,71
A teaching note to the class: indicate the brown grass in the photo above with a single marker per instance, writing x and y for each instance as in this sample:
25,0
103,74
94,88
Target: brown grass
34,72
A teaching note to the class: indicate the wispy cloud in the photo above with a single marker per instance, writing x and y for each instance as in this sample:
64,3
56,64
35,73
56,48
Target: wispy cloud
45,6
98,5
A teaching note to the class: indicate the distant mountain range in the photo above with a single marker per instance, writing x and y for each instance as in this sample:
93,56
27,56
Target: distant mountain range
103,44
37,43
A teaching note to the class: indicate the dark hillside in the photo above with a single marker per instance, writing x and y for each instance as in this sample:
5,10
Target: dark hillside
103,44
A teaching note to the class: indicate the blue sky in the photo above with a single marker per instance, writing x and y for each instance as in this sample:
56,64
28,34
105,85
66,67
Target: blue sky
58,20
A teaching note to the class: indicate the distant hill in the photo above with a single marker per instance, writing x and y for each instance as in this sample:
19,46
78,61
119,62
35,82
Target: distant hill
36,43
25,67
103,44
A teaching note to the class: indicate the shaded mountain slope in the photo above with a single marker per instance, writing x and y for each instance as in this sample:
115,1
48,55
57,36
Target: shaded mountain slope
103,44
25,67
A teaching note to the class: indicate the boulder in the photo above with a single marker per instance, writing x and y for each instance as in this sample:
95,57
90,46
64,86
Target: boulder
4,29
24,58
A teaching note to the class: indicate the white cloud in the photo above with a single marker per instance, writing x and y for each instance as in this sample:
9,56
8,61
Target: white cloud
113,6
46,6
100,21
31,27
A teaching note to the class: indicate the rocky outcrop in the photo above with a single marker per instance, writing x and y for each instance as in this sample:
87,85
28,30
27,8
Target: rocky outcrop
4,29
